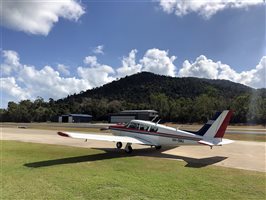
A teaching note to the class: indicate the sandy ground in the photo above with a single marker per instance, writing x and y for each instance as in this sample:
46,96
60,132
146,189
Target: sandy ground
240,154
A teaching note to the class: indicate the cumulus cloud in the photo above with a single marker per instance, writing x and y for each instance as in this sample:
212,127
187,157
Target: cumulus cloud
95,73
204,8
206,68
47,82
257,77
10,62
157,61
38,17
154,60
26,82
202,68
10,87
63,69
129,65
98,49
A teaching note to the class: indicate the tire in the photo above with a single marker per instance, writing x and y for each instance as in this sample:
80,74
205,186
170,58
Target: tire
119,145
129,149
158,147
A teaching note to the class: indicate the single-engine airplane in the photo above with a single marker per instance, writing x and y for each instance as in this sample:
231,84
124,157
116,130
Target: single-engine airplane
157,135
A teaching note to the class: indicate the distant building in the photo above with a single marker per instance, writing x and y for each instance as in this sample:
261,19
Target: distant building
128,115
74,118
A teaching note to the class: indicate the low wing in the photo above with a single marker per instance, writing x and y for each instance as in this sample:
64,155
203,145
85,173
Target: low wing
110,138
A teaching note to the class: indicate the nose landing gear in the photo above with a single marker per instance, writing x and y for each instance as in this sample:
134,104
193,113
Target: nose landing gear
119,145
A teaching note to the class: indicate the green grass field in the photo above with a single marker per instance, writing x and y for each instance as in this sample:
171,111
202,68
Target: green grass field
38,171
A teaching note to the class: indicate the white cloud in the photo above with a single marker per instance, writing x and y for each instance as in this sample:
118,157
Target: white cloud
98,49
63,69
47,83
95,73
10,87
27,82
257,77
204,8
157,61
10,62
129,65
202,68
38,17
90,60
206,68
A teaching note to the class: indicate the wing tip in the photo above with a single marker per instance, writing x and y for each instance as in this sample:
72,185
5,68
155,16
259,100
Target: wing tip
62,134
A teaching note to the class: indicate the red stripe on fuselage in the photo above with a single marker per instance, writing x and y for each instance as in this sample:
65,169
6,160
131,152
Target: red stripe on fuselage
221,131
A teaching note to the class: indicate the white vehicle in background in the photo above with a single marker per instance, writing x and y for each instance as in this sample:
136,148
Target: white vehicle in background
157,135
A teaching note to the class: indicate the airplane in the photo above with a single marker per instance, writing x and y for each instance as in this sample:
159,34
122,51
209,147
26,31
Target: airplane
158,135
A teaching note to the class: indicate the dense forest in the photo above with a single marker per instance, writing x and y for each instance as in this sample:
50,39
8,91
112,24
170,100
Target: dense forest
184,100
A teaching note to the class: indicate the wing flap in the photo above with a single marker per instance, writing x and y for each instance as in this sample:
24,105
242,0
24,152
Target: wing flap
110,138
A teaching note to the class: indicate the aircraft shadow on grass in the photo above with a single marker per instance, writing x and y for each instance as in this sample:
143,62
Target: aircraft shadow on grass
111,153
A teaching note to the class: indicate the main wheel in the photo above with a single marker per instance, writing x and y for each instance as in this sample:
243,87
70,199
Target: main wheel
158,147
129,149
119,145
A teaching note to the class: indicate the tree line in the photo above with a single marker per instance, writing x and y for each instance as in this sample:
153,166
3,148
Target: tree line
248,108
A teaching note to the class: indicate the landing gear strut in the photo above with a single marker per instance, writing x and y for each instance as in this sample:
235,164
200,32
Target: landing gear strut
128,148
158,147
119,145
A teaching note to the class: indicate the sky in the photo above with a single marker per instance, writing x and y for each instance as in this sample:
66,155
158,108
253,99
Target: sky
51,49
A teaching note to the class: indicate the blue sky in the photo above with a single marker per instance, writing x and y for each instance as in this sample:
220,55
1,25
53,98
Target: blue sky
226,42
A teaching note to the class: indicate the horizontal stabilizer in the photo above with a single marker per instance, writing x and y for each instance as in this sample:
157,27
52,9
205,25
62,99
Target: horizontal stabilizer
215,143
225,141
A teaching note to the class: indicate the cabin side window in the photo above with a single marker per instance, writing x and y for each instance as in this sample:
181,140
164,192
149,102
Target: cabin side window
143,127
153,129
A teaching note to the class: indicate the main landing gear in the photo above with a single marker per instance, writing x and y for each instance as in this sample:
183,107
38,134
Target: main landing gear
128,148
158,147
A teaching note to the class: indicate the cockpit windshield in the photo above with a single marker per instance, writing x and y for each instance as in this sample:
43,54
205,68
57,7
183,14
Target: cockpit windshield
133,125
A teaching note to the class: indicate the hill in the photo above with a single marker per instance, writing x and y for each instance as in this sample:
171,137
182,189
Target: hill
138,88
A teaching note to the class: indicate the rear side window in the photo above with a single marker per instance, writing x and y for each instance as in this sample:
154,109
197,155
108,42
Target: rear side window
153,129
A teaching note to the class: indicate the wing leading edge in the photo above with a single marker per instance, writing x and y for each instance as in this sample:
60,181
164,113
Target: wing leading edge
109,138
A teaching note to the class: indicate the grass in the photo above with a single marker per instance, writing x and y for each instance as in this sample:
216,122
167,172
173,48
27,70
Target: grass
38,171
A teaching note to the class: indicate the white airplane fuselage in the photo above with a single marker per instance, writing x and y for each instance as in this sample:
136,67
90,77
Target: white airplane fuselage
163,136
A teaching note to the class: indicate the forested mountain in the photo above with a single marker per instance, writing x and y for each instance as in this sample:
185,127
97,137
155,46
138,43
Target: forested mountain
138,88
177,99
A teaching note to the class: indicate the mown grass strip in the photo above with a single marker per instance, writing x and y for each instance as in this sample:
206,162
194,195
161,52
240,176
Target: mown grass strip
40,171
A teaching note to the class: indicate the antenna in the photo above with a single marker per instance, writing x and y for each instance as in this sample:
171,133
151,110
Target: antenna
154,117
